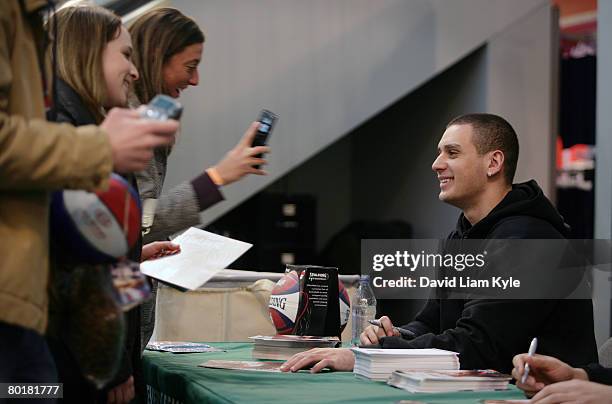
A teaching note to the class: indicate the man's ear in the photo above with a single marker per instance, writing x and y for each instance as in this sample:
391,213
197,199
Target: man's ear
496,163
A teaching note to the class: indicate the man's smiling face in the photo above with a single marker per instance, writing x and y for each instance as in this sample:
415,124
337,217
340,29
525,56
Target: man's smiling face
461,170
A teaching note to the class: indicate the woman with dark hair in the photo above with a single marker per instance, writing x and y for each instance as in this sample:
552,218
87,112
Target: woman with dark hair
168,48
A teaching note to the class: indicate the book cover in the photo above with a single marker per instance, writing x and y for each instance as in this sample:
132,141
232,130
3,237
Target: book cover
257,366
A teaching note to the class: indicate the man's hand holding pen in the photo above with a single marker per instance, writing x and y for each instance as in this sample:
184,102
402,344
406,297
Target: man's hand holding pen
383,327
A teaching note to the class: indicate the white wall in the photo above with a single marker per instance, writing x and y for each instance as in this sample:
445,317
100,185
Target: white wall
603,166
325,66
522,86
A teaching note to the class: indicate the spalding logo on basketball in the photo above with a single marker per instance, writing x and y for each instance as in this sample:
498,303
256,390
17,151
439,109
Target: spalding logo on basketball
285,301
96,227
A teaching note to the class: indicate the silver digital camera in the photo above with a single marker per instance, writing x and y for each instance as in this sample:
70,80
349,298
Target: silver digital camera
162,108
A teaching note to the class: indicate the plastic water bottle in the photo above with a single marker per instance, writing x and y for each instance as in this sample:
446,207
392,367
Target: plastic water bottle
363,308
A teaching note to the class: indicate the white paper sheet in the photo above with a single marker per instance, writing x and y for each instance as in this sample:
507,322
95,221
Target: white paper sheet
202,255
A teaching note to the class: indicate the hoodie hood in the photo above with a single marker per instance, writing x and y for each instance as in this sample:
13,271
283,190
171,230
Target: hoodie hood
524,200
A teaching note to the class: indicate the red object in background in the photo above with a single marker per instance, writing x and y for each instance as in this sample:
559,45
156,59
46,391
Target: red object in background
559,153
577,16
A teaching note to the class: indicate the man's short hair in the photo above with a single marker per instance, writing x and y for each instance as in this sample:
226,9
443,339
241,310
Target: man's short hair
492,132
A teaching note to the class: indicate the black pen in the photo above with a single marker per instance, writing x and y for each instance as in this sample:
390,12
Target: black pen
402,331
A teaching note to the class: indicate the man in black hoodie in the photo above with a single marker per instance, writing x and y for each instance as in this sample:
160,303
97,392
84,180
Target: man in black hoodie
476,162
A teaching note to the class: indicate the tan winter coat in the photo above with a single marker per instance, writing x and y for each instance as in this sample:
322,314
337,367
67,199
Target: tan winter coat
36,157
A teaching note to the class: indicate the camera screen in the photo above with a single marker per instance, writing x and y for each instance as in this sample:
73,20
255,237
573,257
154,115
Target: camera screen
265,123
164,104
264,127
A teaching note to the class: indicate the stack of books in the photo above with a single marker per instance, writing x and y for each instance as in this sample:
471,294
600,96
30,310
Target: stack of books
434,381
378,364
283,347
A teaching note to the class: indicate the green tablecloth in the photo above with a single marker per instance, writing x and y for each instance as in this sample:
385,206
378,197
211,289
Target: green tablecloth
178,377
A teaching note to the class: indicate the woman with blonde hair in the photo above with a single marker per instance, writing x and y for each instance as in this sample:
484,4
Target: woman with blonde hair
93,56
168,48
82,73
